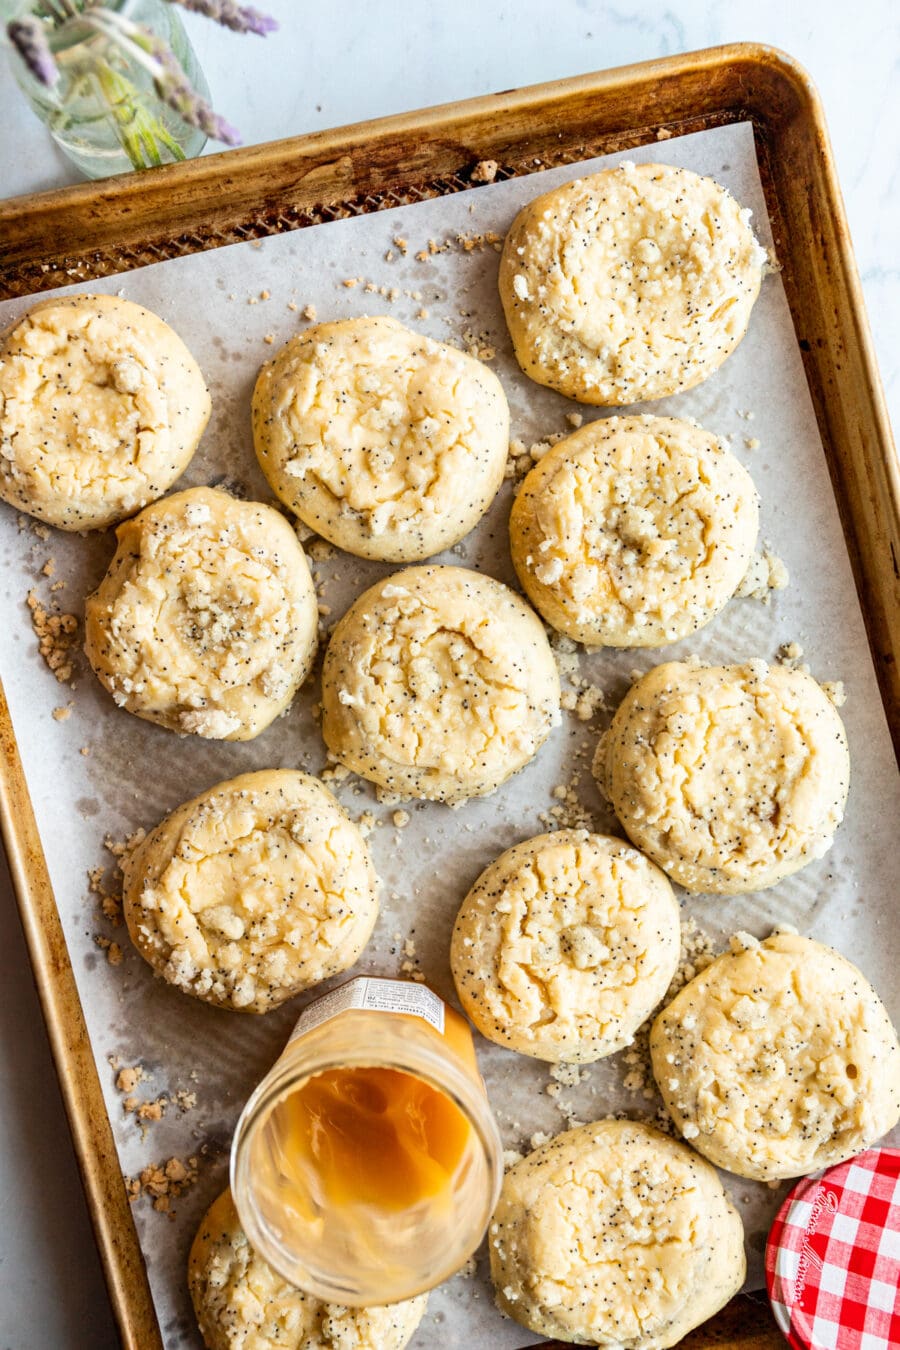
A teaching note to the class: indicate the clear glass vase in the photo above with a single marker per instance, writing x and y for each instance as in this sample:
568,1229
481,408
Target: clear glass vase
103,112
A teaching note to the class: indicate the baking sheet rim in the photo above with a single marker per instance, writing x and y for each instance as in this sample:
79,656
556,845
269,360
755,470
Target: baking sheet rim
114,1228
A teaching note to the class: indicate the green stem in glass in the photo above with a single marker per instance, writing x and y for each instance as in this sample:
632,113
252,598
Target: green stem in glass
140,133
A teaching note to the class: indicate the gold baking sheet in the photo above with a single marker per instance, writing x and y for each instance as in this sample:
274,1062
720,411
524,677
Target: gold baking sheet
560,107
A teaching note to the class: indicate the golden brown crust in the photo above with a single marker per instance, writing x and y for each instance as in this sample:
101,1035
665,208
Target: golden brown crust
206,620
630,284
101,408
389,444
439,683
634,531
778,1059
729,777
242,1304
251,892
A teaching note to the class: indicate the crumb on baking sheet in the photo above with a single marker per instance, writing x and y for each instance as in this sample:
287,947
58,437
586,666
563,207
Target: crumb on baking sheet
106,884
766,573
698,950
63,713
835,691
479,345
568,812
163,1182
522,457
485,171
57,636
113,951
476,242
128,1077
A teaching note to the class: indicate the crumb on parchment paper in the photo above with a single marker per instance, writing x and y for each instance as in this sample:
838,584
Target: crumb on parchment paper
698,950
766,573
105,883
150,1108
163,1182
57,636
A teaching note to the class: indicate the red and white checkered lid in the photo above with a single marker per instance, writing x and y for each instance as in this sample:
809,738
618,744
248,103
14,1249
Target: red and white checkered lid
833,1257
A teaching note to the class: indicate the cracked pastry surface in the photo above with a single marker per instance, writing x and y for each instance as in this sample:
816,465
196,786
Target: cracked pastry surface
614,1235
634,531
101,408
385,442
438,682
206,619
778,1059
255,890
565,945
729,777
629,284
242,1304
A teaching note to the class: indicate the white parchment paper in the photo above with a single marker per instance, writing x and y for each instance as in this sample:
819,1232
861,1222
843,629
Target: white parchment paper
135,772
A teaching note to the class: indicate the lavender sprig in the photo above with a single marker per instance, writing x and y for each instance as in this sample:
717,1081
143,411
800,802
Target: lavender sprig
240,18
169,80
175,89
29,38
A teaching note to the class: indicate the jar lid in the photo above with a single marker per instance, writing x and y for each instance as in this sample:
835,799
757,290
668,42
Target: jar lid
833,1257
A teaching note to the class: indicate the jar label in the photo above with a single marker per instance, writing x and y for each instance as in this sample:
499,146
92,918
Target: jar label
372,994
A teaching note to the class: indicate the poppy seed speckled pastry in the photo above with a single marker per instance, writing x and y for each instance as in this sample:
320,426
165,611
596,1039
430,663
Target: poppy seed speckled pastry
255,890
729,777
634,531
206,620
101,408
241,1303
629,284
778,1059
565,945
613,1234
385,442
438,682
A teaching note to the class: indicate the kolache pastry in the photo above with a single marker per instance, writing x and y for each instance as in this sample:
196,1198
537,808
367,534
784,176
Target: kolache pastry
251,892
729,777
438,682
101,408
634,531
206,619
389,444
778,1059
565,945
242,1304
630,284
613,1234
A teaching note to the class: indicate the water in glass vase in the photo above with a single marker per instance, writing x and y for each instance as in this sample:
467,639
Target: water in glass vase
103,111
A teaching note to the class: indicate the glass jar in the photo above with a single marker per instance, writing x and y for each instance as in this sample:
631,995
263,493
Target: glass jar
104,103
366,1165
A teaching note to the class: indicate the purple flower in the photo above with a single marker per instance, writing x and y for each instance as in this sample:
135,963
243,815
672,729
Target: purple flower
28,37
241,18
174,88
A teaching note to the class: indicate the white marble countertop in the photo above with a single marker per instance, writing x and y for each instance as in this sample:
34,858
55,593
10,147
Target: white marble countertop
321,71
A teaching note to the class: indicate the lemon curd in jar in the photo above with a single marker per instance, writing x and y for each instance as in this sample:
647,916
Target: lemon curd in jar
366,1165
